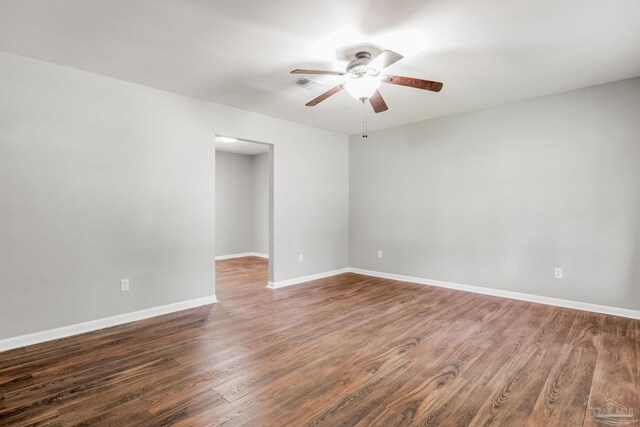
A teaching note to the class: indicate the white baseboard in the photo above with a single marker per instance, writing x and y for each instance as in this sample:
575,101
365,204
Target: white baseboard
242,255
302,279
604,309
94,325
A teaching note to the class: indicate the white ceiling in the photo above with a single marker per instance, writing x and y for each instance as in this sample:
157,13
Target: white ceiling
242,147
239,53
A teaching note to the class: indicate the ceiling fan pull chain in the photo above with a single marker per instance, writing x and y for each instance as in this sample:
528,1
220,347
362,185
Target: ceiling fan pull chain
364,120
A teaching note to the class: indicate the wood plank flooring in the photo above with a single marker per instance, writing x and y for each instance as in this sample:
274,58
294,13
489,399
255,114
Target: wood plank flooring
347,350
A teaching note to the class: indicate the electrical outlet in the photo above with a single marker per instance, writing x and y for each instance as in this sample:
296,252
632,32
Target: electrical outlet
124,285
379,254
558,273
301,258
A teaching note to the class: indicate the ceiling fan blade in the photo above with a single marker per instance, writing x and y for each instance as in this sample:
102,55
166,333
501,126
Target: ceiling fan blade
412,82
383,60
377,102
325,95
325,72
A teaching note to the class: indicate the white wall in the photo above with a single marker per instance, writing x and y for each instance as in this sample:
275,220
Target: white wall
242,203
260,204
102,179
234,213
499,197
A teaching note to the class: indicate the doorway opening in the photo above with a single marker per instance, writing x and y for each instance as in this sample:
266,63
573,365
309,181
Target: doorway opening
243,216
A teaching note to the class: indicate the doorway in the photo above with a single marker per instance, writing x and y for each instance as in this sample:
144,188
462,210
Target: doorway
243,216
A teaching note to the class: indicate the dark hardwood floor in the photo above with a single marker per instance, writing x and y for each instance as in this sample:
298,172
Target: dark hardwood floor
345,350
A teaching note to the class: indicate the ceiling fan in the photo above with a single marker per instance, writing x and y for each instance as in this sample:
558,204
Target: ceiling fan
364,78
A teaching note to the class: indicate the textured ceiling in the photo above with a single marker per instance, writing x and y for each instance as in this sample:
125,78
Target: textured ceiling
239,53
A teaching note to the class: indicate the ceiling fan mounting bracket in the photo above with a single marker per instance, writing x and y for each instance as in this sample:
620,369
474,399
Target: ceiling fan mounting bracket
358,67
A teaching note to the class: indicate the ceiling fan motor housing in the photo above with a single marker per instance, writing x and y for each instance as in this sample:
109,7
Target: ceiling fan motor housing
358,67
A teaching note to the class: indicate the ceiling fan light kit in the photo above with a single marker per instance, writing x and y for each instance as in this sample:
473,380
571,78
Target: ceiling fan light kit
364,78
362,88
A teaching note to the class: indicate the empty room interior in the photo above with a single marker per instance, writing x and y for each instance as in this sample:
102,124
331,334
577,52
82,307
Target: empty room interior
279,213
